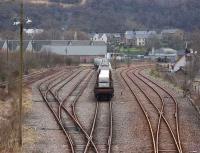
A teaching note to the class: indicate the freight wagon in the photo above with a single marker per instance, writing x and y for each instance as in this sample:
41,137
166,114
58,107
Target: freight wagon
104,84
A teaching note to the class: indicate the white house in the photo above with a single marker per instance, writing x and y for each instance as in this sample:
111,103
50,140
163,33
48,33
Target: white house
100,37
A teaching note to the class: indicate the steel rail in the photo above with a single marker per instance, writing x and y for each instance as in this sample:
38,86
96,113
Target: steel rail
76,117
65,99
160,112
111,128
26,77
142,108
65,109
93,127
176,109
45,98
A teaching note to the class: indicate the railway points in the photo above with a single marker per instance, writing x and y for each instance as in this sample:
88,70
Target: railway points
137,118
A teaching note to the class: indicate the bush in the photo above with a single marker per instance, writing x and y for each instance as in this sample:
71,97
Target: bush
154,73
9,126
10,70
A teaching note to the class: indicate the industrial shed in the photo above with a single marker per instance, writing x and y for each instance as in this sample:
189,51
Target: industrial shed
80,50
83,51
164,54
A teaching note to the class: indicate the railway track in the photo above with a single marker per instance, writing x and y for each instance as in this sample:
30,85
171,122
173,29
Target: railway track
131,77
97,115
33,77
57,112
175,104
50,91
44,93
64,110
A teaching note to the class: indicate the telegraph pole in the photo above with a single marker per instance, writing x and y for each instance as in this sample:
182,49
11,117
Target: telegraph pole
21,70
7,66
7,52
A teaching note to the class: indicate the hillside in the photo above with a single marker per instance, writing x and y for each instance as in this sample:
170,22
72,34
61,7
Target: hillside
106,15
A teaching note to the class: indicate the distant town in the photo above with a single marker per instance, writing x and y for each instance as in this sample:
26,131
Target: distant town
161,45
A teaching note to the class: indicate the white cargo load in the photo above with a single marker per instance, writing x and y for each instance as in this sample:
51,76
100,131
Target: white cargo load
104,78
104,74
97,61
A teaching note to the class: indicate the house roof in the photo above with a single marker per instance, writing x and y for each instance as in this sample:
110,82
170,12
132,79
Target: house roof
79,42
139,34
37,44
117,35
166,51
72,47
58,49
129,34
86,50
144,34
57,42
170,30
99,43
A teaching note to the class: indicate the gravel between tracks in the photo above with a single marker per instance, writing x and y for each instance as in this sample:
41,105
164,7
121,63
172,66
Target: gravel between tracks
189,118
130,133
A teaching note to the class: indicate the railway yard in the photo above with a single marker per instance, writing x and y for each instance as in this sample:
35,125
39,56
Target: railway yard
99,76
145,115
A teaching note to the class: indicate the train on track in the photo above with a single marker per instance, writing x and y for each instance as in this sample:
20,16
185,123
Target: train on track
103,88
97,62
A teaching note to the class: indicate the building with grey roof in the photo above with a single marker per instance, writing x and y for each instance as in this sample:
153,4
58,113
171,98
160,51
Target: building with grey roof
81,50
38,44
138,38
170,30
171,33
164,54
141,37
